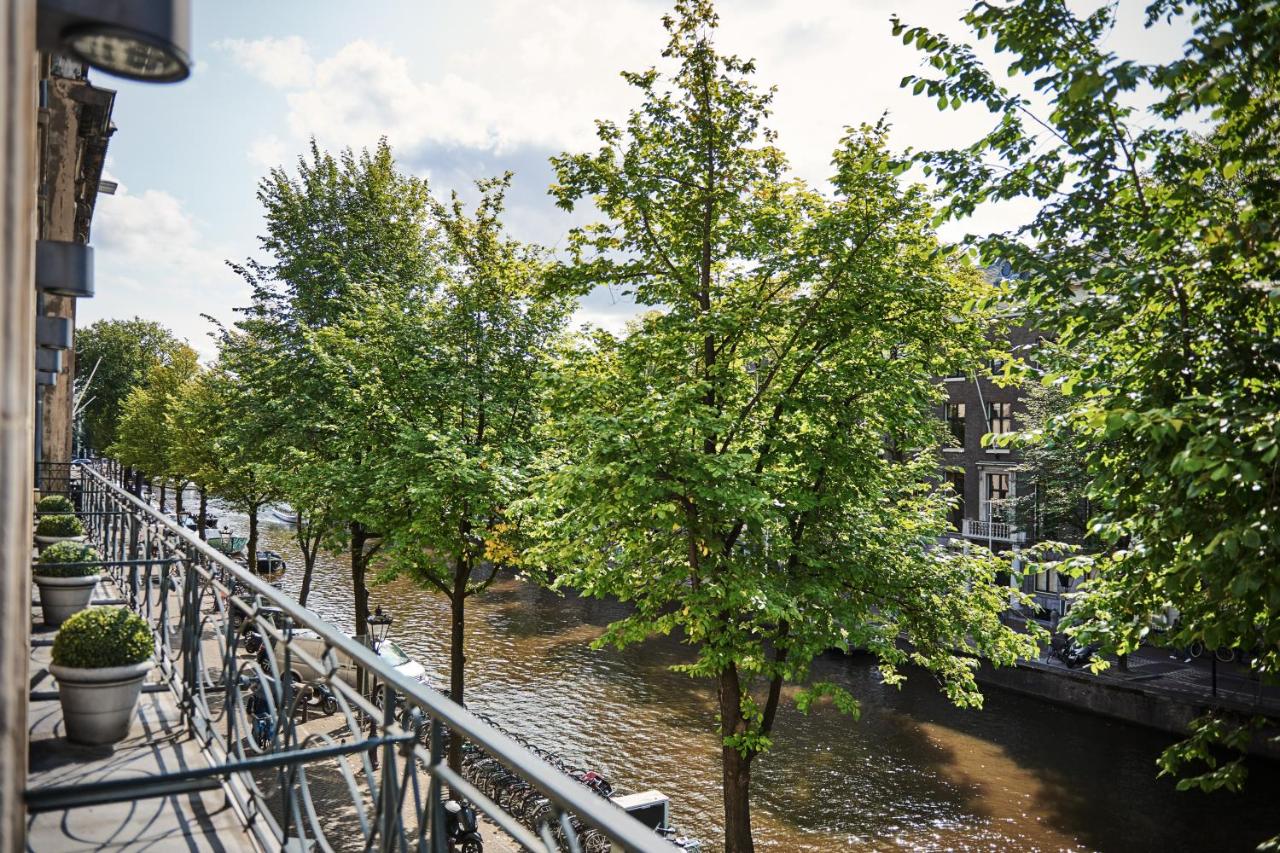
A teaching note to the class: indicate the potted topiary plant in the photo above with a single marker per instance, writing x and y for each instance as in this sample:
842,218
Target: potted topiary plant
55,505
100,657
65,587
58,528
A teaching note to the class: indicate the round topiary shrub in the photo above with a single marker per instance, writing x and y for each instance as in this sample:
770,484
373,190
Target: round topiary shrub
59,525
101,637
53,560
55,504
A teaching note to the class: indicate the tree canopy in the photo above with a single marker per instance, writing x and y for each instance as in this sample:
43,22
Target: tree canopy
119,353
1152,264
753,464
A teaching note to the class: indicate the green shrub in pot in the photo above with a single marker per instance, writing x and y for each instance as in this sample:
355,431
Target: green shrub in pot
55,561
50,504
59,527
65,587
100,657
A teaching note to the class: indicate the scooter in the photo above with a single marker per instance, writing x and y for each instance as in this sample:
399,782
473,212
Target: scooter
461,829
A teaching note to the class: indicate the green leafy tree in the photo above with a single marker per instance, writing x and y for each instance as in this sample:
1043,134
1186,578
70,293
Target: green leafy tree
145,435
225,440
1057,503
118,354
751,466
1153,264
457,413
344,235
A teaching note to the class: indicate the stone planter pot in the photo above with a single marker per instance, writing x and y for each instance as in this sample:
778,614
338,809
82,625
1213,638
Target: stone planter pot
97,704
46,541
61,597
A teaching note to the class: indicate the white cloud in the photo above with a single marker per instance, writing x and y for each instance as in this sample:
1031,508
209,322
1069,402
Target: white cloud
282,62
152,258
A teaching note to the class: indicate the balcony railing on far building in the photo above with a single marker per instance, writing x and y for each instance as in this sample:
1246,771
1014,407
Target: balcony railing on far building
998,531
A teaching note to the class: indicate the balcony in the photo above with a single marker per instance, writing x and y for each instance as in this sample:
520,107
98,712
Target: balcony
994,531
228,751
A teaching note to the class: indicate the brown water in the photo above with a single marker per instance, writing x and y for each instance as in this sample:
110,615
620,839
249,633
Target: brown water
913,773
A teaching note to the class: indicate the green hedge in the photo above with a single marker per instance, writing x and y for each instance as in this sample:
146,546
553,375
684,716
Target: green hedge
102,636
59,525
52,558
55,503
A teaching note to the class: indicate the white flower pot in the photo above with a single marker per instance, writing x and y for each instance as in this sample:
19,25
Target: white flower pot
97,704
61,597
46,541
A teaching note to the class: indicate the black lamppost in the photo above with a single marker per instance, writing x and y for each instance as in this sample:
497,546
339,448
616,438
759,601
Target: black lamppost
379,626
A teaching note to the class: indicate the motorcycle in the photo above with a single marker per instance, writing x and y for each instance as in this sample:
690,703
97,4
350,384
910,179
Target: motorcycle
1076,655
461,828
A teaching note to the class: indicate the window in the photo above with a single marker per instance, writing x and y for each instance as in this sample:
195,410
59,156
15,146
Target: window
997,496
955,421
1001,417
955,515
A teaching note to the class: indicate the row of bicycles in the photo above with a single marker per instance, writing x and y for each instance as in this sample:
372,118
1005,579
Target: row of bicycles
527,804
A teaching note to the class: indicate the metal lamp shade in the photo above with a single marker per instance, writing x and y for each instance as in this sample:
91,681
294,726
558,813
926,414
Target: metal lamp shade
147,40
64,268
54,332
49,360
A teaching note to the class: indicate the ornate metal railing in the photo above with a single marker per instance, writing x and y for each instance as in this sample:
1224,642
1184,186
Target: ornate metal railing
998,530
366,773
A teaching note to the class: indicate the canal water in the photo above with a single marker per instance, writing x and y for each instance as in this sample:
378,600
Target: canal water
913,773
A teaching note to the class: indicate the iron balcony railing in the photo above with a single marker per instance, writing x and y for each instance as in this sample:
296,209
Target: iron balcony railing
370,776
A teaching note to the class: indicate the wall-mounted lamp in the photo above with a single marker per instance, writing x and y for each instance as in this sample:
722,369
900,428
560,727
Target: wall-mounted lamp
64,268
54,332
148,40
49,360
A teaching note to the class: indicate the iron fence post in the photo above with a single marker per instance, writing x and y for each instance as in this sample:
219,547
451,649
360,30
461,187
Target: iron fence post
435,805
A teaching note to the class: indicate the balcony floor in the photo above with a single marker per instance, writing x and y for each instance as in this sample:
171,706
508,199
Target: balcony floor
157,743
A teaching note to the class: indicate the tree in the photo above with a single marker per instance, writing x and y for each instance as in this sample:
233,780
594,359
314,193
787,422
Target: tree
1057,504
344,235
1152,263
118,353
752,464
145,438
458,412
227,438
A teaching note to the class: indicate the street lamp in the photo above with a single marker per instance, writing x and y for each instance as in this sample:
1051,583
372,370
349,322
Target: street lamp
379,626
147,40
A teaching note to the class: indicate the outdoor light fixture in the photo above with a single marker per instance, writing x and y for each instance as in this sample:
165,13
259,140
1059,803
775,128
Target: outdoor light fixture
54,332
49,359
64,268
148,40
380,625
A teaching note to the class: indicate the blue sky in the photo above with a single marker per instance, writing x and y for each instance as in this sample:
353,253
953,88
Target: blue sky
462,91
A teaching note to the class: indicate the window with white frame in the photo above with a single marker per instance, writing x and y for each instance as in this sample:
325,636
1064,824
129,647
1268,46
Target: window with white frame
1000,417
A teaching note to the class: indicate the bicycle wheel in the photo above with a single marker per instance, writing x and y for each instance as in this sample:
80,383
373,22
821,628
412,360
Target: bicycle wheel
1225,655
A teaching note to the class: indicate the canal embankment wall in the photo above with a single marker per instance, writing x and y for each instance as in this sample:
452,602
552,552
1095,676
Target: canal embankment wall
1134,701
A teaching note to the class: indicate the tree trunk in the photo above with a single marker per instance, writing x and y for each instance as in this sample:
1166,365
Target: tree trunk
177,499
457,656
736,769
204,513
253,539
359,536
308,560
162,495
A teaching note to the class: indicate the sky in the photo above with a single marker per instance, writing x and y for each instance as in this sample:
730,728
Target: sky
462,91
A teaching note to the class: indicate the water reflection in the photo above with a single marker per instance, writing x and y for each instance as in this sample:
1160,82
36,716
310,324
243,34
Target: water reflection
913,773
